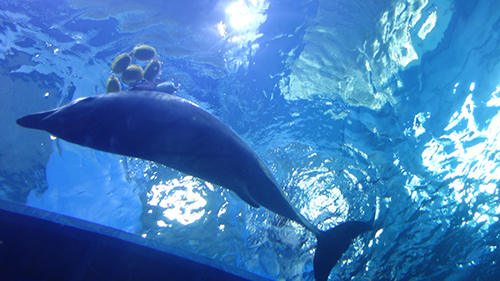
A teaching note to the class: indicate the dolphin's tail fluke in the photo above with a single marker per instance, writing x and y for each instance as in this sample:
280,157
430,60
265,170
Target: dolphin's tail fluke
332,244
33,121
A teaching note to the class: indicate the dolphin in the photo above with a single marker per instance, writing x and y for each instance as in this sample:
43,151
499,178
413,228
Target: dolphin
179,134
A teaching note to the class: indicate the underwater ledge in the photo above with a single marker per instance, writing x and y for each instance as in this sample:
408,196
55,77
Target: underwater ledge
40,245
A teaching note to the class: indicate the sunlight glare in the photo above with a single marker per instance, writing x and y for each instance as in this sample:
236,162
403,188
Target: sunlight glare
247,15
428,25
221,27
240,14
472,86
182,201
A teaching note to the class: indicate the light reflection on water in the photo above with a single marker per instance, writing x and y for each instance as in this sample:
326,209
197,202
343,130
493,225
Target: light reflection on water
182,200
468,152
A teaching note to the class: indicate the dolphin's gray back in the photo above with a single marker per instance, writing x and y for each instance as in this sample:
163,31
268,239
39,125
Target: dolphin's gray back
153,126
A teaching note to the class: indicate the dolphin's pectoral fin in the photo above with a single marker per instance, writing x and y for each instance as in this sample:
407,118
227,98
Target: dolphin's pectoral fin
244,194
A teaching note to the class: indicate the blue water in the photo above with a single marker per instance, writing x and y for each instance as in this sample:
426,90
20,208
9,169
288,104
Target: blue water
384,110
